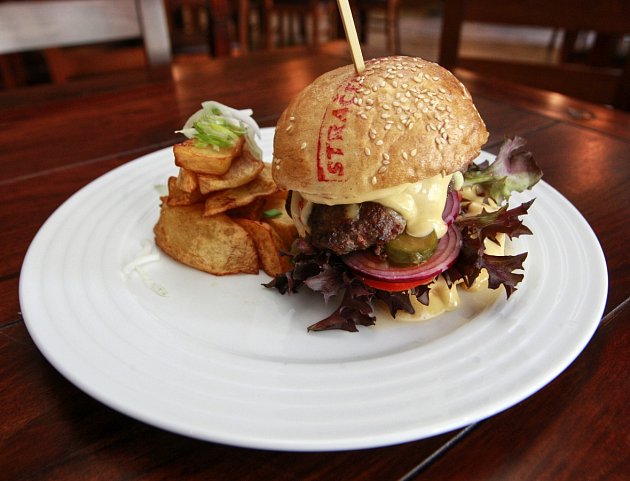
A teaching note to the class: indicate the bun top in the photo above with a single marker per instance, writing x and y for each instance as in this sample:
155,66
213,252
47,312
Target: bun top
401,120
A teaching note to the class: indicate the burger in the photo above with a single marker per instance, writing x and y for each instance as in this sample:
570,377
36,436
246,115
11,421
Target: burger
388,204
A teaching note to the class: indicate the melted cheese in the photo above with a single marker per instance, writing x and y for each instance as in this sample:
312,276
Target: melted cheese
441,299
421,203
475,203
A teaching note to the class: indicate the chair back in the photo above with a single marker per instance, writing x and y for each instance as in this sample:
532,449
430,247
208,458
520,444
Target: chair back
605,84
40,25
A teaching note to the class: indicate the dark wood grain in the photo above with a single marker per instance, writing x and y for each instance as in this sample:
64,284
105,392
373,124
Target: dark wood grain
575,428
55,140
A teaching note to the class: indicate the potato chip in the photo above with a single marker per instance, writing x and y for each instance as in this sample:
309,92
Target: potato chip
225,200
244,169
280,221
206,160
216,244
285,228
187,180
254,210
177,196
268,246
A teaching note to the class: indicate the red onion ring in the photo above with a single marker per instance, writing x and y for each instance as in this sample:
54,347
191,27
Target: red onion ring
451,209
366,264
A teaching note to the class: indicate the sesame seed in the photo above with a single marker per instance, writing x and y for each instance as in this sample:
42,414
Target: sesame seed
303,146
373,180
385,156
368,151
386,107
379,142
414,152
387,126
363,116
436,78
386,162
382,170
384,116
292,118
289,127
405,156
410,125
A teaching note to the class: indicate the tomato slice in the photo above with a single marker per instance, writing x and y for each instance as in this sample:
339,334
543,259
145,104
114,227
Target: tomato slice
395,286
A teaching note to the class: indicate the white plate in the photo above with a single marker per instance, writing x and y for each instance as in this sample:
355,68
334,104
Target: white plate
224,359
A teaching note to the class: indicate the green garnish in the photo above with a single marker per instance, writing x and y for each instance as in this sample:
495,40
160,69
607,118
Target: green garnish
214,129
272,213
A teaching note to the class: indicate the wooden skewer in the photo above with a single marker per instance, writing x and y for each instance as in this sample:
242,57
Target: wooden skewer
351,35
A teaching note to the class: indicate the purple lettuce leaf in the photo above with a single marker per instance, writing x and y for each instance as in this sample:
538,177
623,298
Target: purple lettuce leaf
513,170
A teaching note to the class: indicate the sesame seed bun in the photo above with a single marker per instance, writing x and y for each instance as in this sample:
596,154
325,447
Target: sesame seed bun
402,120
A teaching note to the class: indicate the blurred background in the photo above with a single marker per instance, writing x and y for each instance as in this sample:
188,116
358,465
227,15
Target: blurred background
576,47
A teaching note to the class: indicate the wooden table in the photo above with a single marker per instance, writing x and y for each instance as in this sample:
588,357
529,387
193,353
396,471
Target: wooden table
55,140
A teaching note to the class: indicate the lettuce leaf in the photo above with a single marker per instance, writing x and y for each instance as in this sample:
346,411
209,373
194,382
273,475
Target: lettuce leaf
472,258
512,171
324,272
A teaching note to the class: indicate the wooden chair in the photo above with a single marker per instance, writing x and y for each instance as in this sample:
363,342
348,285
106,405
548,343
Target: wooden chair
607,84
391,9
220,27
288,13
52,25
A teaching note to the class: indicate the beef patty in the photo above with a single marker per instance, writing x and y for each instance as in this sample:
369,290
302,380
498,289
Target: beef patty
347,228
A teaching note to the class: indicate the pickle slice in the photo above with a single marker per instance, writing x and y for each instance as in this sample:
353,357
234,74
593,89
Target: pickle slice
407,249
